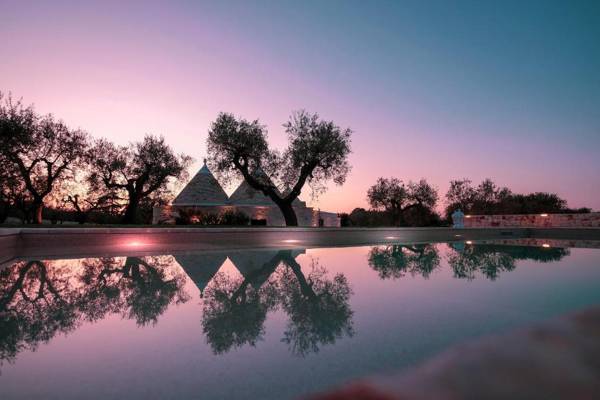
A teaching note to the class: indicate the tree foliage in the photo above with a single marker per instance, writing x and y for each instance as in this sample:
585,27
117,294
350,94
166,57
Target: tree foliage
235,309
37,150
488,198
40,299
134,173
490,260
396,197
317,152
395,261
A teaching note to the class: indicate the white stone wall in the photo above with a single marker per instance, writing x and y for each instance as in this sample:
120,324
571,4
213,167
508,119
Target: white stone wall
589,220
307,216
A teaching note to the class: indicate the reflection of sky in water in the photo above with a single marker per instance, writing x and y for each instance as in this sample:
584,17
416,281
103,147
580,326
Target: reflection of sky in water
269,323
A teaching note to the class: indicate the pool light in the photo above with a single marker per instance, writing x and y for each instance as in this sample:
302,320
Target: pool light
543,215
135,243
546,245
291,241
391,237
469,242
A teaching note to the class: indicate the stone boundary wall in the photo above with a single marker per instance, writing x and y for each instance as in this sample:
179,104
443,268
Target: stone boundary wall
589,220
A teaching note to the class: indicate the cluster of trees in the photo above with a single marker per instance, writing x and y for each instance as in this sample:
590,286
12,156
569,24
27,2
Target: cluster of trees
44,162
40,299
317,152
395,203
318,307
488,198
487,260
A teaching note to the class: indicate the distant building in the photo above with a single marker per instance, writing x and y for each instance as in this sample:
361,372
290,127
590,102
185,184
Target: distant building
204,195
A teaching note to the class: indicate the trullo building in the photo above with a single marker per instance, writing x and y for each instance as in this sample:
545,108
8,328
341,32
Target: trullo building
204,195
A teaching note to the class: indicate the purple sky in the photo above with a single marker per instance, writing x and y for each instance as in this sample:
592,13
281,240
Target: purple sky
441,91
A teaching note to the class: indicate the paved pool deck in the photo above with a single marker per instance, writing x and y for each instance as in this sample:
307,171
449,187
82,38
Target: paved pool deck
48,242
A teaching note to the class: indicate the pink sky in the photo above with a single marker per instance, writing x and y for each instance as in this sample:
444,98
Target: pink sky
123,71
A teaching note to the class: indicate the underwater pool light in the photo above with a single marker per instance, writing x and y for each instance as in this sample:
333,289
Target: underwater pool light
546,245
469,242
543,215
290,241
391,237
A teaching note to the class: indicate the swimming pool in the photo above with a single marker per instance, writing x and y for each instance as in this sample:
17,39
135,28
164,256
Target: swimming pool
268,323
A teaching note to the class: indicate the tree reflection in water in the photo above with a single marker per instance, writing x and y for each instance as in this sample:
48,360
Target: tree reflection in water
235,311
318,308
492,259
39,299
395,261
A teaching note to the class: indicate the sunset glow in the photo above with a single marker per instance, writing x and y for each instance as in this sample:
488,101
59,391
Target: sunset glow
441,93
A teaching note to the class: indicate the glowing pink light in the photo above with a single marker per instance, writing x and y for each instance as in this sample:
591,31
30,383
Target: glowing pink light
291,241
135,243
546,245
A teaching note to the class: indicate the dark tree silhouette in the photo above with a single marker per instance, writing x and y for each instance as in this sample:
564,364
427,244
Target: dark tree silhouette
140,289
318,308
488,198
396,197
84,205
39,150
395,261
235,309
492,259
11,188
134,173
39,299
317,152
36,303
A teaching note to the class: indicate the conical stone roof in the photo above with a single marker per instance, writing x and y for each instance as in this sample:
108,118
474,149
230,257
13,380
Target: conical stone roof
202,190
202,267
246,195
255,265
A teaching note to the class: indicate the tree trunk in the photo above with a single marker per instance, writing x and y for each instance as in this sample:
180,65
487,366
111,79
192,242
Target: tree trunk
4,210
305,287
288,214
38,207
130,216
82,217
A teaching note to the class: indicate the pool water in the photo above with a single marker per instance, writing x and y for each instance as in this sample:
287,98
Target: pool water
270,323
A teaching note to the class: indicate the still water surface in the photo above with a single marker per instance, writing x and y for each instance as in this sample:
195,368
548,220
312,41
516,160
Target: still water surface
267,324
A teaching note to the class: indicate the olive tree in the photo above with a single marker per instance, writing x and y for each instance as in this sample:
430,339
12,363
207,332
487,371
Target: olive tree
11,188
135,172
38,150
317,152
396,197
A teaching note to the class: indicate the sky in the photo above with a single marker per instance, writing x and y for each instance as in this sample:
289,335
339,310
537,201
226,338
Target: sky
439,90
